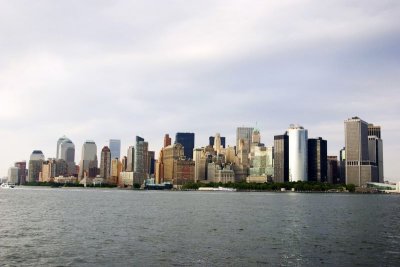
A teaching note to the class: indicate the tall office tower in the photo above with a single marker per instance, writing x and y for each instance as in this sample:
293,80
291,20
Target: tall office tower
333,170
256,137
281,158
124,162
167,140
374,130
48,170
105,163
187,141
35,165
151,162
199,159
115,148
116,168
375,150
342,166
262,162
60,140
21,165
66,151
131,159
88,164
359,168
298,137
375,146
217,143
244,133
13,175
211,140
317,160
141,159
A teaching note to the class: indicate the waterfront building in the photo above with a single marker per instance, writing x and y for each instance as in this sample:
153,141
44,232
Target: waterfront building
177,169
245,134
88,165
52,168
281,158
115,148
105,163
220,173
317,160
13,175
131,159
151,163
187,141
298,153
359,168
116,168
22,171
66,152
262,162
333,169
342,166
141,158
35,165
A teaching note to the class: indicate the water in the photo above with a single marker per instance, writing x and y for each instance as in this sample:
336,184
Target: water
75,227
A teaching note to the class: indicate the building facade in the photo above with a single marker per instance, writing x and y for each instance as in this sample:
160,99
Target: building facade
115,148
317,160
281,158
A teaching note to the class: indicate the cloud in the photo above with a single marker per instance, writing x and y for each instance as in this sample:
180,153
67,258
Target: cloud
100,70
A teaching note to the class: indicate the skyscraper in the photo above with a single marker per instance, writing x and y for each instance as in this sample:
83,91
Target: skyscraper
167,140
333,170
375,149
342,166
317,160
88,162
359,168
35,165
21,165
211,140
141,159
281,158
115,148
374,130
105,163
66,152
187,141
151,162
131,159
298,137
244,133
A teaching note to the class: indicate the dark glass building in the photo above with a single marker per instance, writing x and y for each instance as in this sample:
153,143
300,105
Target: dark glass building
281,158
317,160
187,141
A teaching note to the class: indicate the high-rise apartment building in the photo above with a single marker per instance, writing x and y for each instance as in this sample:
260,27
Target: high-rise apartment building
298,153
187,141
281,158
245,134
22,171
131,159
35,165
359,168
105,163
88,164
115,148
317,160
141,159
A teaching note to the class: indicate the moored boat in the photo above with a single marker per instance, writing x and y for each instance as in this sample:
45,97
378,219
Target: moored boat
7,185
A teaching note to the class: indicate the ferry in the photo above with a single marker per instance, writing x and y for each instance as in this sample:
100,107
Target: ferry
163,186
7,185
220,188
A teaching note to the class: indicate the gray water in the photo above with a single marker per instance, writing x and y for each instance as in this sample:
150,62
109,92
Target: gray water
75,227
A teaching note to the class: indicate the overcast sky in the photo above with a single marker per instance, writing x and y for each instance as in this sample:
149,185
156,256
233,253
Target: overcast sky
116,69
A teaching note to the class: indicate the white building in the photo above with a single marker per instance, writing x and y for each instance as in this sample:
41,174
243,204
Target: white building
298,153
13,175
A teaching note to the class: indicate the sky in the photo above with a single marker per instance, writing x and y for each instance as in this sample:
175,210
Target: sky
116,69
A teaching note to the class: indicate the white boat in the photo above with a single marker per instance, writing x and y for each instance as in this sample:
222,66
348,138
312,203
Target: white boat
220,188
7,185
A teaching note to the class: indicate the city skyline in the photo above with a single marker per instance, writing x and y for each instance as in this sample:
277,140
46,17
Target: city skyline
202,67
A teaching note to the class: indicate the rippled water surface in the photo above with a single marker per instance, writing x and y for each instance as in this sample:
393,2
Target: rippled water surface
70,227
